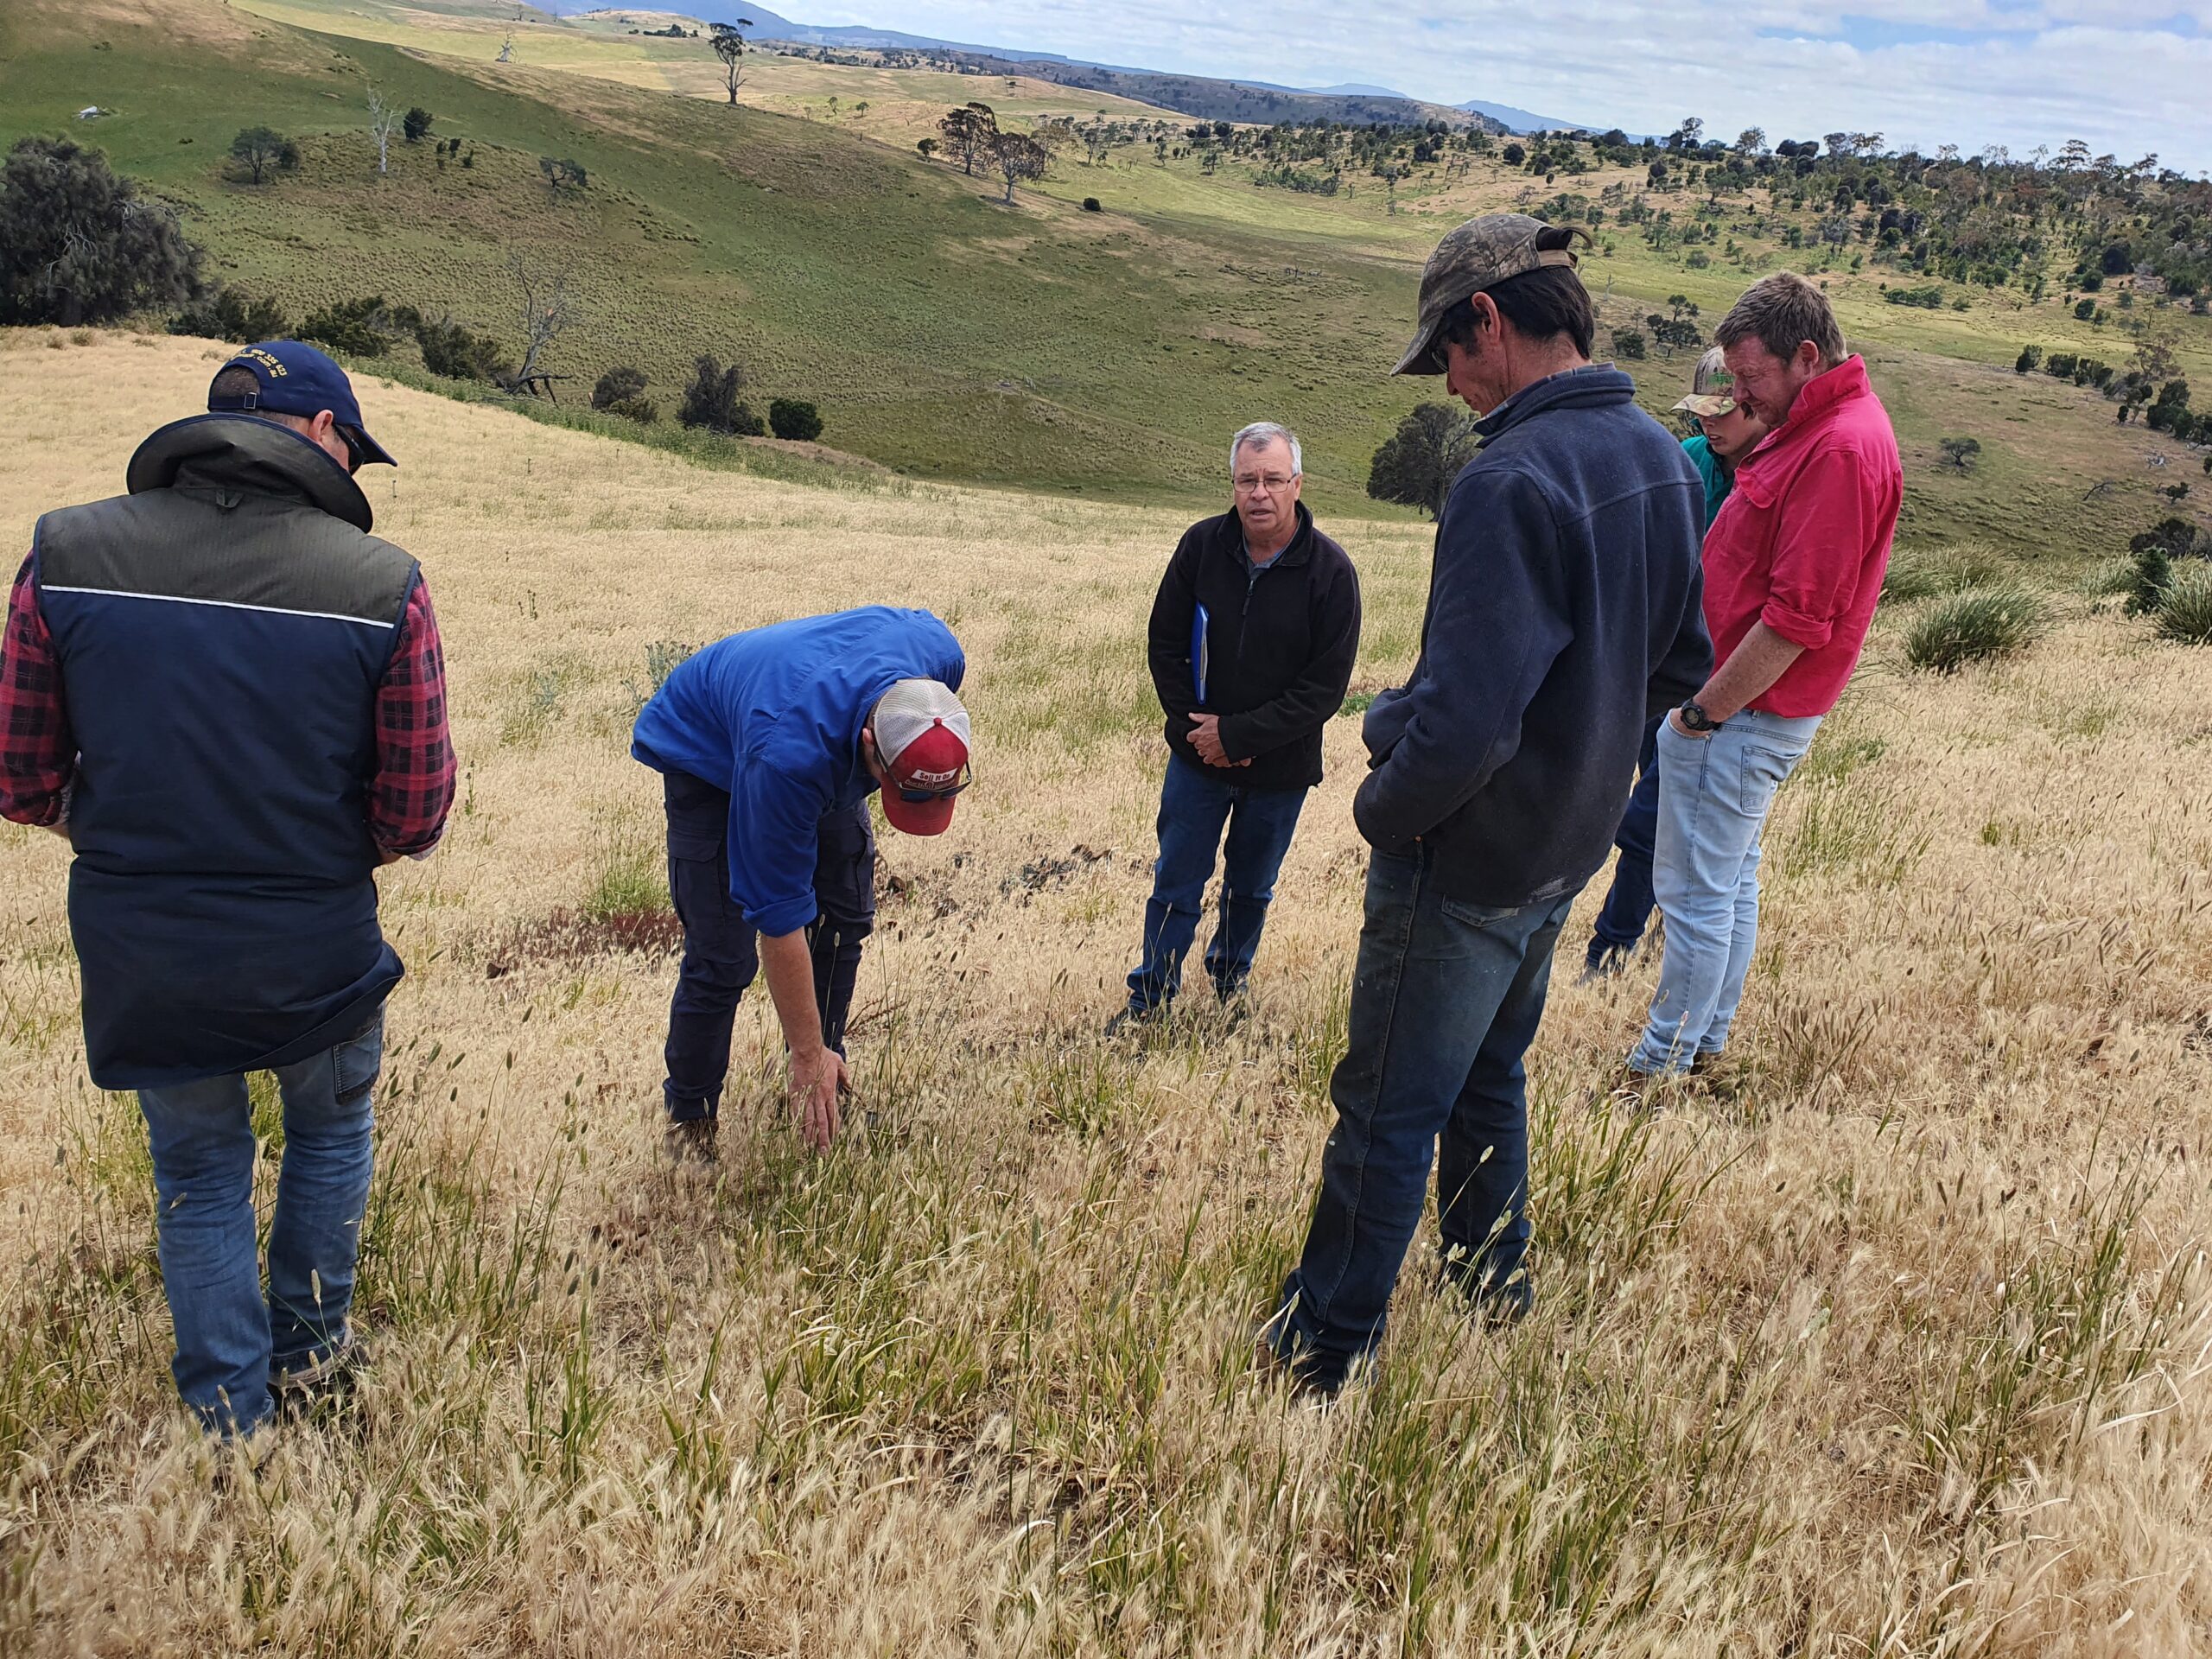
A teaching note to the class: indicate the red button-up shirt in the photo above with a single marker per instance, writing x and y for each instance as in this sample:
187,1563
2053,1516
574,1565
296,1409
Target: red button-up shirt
1802,540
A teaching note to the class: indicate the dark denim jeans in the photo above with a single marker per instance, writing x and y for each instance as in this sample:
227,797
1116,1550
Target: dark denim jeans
1629,901
720,952
1446,1000
229,1334
1195,802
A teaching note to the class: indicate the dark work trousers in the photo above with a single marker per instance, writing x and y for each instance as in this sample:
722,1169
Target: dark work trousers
1629,901
720,952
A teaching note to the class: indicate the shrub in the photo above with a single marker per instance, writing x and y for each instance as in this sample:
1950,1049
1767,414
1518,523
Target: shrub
643,410
416,123
711,400
1977,625
2029,357
1628,342
1927,299
794,418
2186,616
618,385
230,314
1090,205
362,327
450,349
78,246
2150,574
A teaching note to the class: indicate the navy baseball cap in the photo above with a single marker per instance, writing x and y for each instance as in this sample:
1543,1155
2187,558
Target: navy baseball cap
297,379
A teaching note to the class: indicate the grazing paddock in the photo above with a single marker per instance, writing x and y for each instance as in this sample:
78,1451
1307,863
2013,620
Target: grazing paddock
1894,1343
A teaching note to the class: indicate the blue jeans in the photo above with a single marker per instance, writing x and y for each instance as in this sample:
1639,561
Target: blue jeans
1715,794
1627,910
1446,999
1195,802
229,1334
720,949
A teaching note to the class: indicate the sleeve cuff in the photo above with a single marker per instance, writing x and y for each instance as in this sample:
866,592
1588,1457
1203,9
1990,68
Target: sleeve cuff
788,917
1797,626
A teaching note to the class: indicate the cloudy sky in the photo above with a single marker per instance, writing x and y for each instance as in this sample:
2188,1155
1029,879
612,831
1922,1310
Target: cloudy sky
2130,78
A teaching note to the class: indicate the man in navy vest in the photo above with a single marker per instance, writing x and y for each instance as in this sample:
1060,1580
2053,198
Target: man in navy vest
769,743
228,698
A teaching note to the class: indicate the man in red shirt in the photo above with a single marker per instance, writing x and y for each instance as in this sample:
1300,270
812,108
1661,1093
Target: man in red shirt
1793,568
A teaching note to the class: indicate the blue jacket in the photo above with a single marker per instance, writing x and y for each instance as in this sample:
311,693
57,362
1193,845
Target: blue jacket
222,631
773,715
1563,614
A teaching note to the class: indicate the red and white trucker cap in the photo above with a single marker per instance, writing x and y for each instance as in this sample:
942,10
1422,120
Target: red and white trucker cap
921,737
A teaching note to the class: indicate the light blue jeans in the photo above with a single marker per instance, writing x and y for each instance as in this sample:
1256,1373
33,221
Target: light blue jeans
229,1336
1714,795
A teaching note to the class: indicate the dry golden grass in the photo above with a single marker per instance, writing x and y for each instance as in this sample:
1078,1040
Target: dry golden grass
1898,1347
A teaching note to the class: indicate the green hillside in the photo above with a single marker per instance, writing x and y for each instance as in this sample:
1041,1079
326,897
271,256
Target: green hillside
944,332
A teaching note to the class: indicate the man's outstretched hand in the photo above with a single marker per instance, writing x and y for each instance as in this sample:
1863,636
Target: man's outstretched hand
1205,738
816,1081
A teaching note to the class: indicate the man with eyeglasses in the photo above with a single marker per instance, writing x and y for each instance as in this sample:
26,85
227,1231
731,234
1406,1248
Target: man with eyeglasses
769,743
228,698
1252,640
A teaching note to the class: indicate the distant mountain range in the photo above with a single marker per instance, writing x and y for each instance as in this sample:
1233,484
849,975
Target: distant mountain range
1203,97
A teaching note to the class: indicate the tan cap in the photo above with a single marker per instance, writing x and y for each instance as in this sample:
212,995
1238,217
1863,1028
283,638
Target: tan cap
1481,253
1713,388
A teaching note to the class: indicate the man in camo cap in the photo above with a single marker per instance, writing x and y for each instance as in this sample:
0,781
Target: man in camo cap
1563,616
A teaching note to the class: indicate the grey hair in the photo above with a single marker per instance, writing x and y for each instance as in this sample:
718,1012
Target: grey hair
1264,433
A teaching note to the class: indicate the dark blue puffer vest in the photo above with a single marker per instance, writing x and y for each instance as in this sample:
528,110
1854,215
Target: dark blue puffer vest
222,631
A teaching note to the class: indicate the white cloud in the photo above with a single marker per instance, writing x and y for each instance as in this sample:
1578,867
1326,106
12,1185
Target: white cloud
2042,73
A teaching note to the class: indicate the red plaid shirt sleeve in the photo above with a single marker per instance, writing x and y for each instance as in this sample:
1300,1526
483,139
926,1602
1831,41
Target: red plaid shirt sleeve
412,791
38,751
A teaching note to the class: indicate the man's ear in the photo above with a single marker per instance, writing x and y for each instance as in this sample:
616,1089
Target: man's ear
320,426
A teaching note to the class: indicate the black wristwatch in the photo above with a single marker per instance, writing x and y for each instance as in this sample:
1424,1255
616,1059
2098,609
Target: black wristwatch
1694,719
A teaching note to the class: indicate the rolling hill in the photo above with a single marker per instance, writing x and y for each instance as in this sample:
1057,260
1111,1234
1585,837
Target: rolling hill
945,333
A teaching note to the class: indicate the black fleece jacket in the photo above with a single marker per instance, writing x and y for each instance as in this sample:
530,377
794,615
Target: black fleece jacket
1281,644
1564,612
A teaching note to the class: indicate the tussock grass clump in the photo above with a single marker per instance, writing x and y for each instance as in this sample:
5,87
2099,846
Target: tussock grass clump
1920,573
1975,627
2185,617
628,876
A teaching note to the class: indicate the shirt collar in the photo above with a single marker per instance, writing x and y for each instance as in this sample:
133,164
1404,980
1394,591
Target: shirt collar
1827,389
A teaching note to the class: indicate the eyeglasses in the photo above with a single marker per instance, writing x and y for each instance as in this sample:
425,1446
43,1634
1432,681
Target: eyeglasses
1248,482
355,459
917,797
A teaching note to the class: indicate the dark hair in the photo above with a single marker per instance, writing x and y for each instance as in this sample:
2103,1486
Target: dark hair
1543,304
234,380
1780,312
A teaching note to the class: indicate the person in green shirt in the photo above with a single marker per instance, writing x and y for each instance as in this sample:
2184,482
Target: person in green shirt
1726,432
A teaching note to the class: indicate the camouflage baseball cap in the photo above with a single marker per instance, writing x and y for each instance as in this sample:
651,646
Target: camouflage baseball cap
1712,389
1481,253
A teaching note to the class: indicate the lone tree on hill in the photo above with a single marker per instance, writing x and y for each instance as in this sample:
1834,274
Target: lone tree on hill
261,151
1018,157
969,132
730,46
1417,463
383,121
547,313
77,245
1961,453
561,171
415,124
